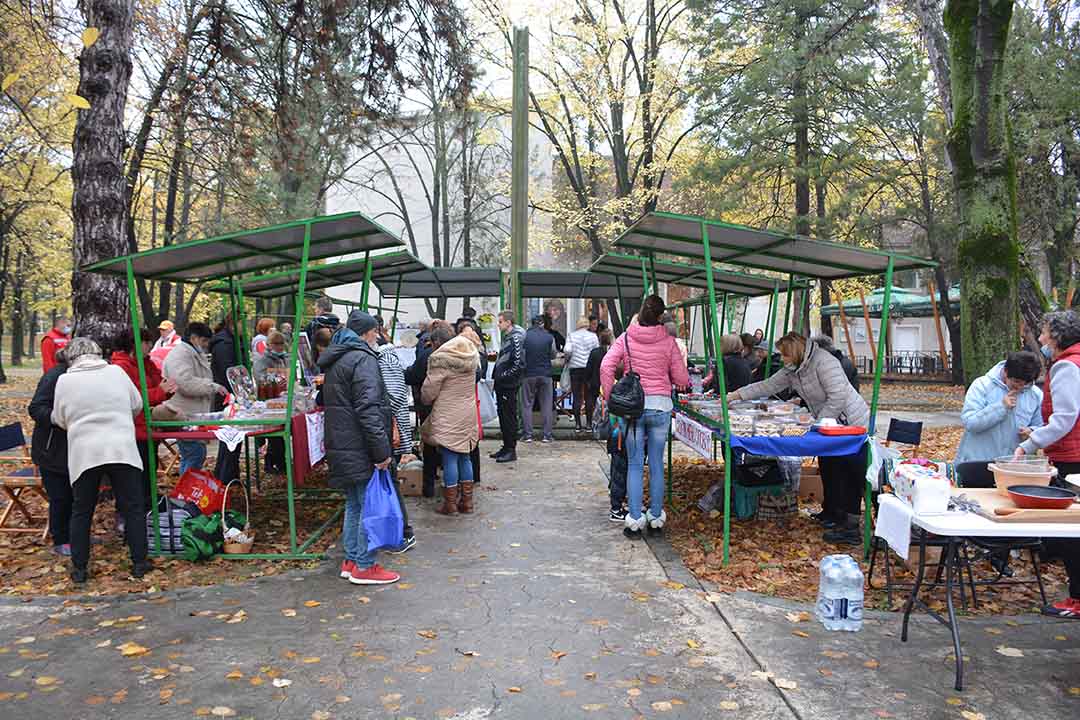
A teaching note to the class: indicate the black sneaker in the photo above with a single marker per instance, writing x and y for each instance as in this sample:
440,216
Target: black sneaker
632,534
141,568
843,536
509,456
408,544
497,453
79,576
617,515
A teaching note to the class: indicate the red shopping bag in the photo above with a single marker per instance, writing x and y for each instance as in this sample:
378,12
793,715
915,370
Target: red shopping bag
200,487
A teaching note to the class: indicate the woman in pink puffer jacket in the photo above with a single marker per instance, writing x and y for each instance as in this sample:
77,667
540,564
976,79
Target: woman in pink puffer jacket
647,349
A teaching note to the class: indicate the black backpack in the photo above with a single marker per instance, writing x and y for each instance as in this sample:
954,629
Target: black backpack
627,397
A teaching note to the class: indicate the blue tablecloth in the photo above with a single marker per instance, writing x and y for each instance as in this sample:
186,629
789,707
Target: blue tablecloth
812,444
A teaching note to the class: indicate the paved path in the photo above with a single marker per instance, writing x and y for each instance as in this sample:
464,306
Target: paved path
536,607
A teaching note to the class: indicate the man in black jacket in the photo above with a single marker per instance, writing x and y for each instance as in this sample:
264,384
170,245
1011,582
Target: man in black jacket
358,429
508,374
826,343
49,452
324,318
415,375
223,356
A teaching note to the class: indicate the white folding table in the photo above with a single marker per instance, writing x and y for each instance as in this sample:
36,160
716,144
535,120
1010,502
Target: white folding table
953,527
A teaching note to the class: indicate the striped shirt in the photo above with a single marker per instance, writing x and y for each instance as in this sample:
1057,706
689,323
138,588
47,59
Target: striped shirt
393,376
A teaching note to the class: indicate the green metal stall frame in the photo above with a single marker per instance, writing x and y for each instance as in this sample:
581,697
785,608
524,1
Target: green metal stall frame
672,234
230,257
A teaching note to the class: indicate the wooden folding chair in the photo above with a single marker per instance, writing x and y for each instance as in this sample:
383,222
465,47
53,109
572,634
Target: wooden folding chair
16,482
174,457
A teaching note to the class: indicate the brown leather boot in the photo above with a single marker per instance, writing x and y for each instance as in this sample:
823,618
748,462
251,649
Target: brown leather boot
450,501
465,505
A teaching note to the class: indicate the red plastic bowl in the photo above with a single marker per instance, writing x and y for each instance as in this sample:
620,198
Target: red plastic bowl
1037,497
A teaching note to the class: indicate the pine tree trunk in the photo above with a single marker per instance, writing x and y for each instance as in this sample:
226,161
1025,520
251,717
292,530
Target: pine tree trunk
98,205
984,168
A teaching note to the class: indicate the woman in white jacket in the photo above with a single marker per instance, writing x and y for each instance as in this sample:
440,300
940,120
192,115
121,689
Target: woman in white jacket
96,403
578,346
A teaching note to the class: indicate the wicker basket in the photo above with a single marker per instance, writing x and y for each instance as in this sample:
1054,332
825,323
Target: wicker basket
235,548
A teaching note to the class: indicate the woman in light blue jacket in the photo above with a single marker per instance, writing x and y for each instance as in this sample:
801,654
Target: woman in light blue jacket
1000,409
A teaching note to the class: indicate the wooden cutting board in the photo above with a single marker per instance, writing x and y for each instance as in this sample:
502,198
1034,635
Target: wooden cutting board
990,500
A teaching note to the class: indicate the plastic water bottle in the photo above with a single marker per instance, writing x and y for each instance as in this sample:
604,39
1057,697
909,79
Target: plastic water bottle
695,381
840,593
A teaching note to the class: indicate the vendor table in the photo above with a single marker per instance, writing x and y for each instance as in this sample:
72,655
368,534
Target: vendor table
811,444
953,527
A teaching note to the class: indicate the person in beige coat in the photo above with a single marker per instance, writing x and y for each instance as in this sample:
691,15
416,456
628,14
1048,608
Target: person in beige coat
453,425
817,377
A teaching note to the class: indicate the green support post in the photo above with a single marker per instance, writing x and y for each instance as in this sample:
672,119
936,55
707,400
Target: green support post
722,384
365,288
294,347
652,272
644,280
136,323
502,291
886,301
397,301
773,302
241,334
787,303
802,308
745,310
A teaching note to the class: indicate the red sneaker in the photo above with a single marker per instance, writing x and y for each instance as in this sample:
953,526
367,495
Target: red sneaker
1067,608
347,568
374,575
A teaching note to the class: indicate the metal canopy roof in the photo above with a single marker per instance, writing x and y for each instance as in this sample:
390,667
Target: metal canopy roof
324,276
249,251
442,282
725,281
671,234
579,284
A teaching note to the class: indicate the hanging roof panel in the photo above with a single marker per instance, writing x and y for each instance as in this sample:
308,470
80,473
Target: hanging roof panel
448,282
324,276
681,235
579,284
725,281
249,251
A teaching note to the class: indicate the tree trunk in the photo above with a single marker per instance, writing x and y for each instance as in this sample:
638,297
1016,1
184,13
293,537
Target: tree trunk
18,309
825,285
98,202
4,265
31,336
984,169
800,115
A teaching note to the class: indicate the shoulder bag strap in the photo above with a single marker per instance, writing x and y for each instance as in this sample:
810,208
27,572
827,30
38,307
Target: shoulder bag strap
626,341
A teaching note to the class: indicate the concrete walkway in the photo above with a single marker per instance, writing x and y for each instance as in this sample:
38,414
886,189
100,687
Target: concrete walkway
536,607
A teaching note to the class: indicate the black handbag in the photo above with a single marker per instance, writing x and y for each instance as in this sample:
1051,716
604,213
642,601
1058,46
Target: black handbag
627,397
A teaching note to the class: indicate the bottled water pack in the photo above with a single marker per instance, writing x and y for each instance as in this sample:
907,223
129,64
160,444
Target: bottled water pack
840,593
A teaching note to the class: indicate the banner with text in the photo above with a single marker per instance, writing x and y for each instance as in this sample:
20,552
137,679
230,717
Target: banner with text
695,435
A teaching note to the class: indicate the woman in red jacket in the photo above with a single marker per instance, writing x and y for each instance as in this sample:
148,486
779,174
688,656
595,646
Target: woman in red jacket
157,389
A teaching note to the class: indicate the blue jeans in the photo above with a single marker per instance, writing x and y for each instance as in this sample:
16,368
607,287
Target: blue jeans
192,455
649,432
352,532
457,467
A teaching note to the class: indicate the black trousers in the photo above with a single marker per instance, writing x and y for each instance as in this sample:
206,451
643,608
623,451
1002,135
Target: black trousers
61,497
579,380
407,530
144,453
430,456
507,402
843,482
275,454
474,457
127,485
1067,549
617,480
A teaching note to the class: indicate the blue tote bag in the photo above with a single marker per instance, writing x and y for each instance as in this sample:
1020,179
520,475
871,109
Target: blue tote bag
381,513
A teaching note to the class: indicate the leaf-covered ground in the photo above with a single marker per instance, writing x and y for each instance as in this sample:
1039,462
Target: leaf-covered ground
915,396
781,558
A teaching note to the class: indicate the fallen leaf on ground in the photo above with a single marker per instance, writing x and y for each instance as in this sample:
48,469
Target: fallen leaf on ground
634,692
798,617
835,655
954,701
972,715
282,682
825,672
342,699
1008,651
1060,637
1074,691
222,711
234,675
288,612
404,586
692,644
312,603
729,705
593,707
993,631
256,681
130,649
95,700
467,653
800,633
45,681
785,684
672,585
713,597
429,634
761,675
514,689
590,676
320,715
311,660
662,706
639,596
872,664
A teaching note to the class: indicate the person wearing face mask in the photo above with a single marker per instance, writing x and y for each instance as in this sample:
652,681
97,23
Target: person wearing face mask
53,342
359,431
817,377
188,366
1059,438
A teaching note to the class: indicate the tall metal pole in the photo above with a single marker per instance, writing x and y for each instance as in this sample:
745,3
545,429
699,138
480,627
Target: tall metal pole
519,169
713,320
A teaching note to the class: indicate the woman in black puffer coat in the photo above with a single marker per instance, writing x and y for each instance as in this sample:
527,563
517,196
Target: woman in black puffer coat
49,452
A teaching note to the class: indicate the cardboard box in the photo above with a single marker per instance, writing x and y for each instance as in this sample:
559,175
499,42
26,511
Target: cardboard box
412,482
810,488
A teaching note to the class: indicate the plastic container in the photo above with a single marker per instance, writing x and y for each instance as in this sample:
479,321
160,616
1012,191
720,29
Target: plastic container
1011,473
931,495
840,594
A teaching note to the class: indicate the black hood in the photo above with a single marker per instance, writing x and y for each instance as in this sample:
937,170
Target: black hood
343,342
